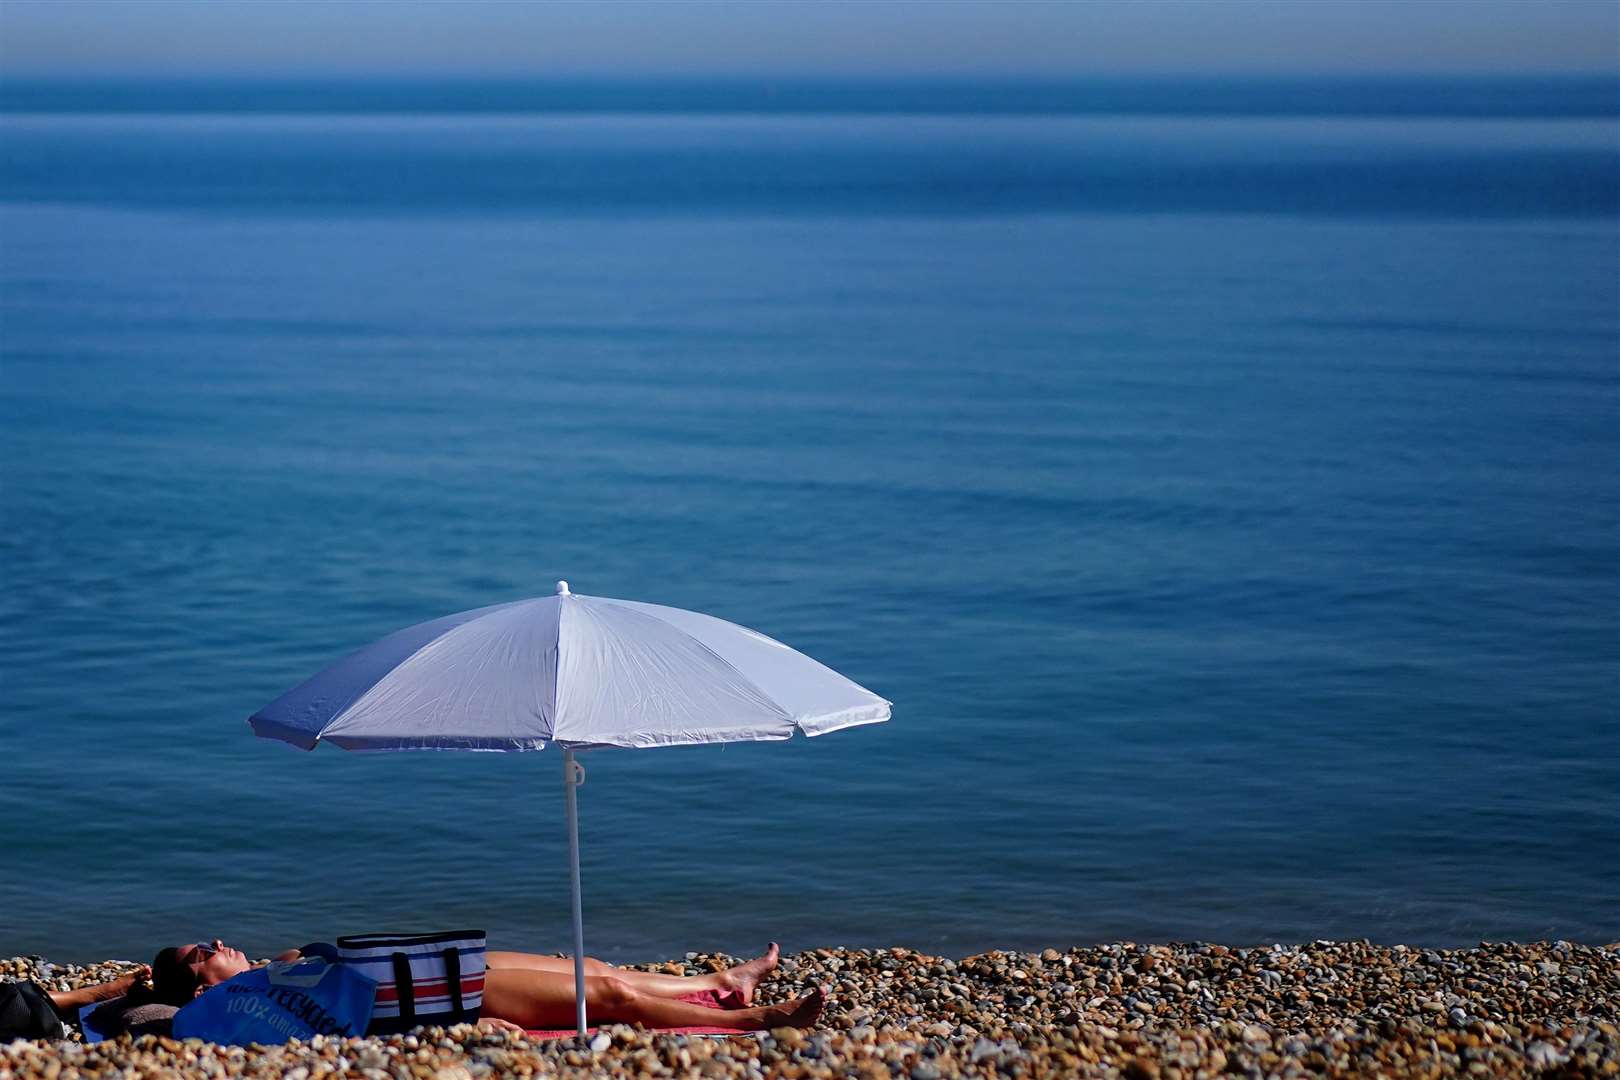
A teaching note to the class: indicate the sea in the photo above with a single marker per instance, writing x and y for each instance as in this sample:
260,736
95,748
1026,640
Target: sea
1219,476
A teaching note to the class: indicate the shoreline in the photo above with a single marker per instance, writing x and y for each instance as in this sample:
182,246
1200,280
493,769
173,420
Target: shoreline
1170,1012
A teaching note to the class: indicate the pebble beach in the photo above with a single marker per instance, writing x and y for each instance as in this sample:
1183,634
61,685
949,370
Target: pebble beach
1171,1012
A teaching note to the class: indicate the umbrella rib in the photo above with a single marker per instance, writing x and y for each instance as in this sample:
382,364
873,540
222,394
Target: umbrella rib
556,669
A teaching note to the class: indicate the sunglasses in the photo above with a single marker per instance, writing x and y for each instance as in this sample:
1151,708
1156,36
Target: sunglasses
204,951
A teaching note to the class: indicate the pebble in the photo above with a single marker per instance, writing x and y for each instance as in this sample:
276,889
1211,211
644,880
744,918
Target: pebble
1122,1009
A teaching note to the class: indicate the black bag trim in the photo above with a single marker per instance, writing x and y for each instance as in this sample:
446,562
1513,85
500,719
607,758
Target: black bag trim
384,941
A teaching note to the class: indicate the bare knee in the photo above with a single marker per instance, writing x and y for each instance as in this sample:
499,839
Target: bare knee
609,996
598,967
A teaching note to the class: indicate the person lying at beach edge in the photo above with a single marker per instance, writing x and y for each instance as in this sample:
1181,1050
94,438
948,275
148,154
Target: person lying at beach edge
526,991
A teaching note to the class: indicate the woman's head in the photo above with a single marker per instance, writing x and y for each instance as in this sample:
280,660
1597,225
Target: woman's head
181,972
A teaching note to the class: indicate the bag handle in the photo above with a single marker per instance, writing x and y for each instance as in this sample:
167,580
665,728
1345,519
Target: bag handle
452,979
406,988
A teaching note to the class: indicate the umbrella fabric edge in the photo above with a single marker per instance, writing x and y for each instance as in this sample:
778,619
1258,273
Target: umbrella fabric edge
302,740
856,716
811,727
370,744
266,728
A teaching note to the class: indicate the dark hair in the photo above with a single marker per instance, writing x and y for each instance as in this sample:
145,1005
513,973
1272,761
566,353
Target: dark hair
173,982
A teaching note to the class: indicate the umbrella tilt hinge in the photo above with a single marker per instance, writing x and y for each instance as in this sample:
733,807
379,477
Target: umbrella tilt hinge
574,774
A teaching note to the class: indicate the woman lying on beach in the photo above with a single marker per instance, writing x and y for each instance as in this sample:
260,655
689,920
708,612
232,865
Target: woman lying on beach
522,990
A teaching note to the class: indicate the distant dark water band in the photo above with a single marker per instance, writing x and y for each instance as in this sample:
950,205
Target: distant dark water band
1483,96
271,167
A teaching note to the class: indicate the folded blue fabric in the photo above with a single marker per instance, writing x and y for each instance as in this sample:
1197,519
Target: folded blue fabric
297,999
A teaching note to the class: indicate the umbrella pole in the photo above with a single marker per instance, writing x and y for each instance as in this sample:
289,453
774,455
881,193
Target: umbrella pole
573,777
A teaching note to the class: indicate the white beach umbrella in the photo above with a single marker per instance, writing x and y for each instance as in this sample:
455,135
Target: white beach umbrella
577,672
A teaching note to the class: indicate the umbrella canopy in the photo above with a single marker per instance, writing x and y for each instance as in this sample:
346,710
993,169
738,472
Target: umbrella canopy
576,671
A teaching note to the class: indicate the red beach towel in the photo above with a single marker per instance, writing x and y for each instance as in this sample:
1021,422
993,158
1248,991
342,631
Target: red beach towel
712,999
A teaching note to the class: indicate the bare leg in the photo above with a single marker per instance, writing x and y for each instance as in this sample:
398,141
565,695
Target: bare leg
743,978
505,961
543,999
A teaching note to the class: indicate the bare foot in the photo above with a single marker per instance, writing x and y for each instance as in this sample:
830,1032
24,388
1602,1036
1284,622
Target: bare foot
799,1014
745,977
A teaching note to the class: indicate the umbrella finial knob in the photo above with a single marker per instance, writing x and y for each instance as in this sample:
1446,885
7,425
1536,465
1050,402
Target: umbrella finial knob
562,589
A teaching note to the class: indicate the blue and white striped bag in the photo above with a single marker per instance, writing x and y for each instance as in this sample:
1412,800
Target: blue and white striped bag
421,978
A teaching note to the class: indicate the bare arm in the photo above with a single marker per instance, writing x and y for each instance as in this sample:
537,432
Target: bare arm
67,1002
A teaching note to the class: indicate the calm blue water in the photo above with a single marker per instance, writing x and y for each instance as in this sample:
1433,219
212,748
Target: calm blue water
1227,502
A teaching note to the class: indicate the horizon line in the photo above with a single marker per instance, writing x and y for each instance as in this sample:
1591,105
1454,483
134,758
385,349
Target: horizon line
1471,74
